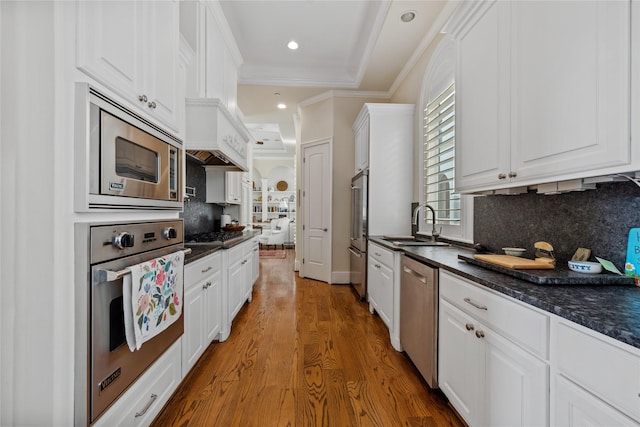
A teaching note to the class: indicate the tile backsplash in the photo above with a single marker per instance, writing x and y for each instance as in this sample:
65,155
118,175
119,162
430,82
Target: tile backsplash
198,215
596,219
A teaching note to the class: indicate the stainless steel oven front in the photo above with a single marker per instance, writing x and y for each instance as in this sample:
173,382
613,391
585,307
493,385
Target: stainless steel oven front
105,365
124,160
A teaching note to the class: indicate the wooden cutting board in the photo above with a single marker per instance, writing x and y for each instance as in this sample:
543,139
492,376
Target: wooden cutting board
515,262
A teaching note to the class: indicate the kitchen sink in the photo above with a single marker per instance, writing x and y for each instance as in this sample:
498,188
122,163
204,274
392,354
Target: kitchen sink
418,243
411,241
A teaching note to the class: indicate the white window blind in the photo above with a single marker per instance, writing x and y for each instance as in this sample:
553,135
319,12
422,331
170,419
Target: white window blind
439,158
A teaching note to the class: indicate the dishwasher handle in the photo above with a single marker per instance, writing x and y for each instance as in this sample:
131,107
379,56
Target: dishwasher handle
415,274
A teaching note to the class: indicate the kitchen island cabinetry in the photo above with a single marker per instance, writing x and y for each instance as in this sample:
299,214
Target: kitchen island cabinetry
527,112
584,391
383,280
133,49
492,356
143,401
202,307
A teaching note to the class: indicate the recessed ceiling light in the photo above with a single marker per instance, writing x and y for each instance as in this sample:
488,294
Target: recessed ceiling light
282,106
407,16
292,45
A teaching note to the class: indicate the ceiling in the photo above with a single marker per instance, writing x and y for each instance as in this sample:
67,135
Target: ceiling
343,45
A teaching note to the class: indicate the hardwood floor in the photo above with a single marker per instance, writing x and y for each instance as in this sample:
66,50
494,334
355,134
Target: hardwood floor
304,353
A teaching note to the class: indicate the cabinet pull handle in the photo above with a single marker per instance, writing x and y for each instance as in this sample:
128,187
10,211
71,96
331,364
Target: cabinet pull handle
377,253
513,174
142,98
502,176
469,327
255,250
206,285
146,408
476,305
206,269
152,104
480,334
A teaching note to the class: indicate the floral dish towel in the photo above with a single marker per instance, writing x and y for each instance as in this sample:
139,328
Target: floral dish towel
152,297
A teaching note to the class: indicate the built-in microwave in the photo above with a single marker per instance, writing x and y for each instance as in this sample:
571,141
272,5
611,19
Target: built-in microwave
123,160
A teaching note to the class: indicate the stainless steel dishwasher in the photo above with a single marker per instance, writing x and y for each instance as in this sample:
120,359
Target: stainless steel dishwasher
419,317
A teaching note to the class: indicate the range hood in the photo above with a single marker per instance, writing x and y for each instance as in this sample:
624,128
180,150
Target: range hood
213,136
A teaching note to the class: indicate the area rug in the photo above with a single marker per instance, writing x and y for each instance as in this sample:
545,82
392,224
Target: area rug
278,253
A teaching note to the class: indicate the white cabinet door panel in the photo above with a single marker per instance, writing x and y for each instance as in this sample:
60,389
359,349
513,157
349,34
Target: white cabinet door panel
110,43
575,407
460,363
570,86
516,384
482,109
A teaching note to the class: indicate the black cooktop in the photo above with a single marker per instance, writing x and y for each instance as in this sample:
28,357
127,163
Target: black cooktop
212,236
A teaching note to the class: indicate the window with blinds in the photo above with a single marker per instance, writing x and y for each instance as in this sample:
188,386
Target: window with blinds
439,158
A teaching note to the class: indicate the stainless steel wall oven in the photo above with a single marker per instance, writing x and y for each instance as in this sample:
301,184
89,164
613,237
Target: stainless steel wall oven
105,366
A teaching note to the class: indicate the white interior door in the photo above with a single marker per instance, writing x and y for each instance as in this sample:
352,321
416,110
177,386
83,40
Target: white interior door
316,202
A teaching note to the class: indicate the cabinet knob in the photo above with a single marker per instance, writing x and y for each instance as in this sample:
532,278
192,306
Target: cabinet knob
325,229
142,98
377,266
152,105
480,334
513,174
469,327
502,176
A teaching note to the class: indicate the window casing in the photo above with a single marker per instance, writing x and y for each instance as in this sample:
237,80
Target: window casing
454,212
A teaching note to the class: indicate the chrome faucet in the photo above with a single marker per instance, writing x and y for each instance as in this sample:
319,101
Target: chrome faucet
434,233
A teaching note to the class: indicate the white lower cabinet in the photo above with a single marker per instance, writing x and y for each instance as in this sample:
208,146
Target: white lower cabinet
239,284
575,407
489,379
202,308
255,260
383,288
140,404
235,280
597,379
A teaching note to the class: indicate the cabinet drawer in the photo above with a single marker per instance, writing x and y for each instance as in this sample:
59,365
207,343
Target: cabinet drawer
139,405
196,271
385,256
606,369
521,324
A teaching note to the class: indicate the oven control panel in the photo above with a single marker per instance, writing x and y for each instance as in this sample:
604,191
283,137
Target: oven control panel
113,241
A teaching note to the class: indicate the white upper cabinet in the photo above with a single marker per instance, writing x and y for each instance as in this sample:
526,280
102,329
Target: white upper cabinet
543,92
482,102
214,73
361,154
133,49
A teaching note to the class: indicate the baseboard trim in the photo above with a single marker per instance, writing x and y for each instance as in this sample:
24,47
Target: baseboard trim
340,277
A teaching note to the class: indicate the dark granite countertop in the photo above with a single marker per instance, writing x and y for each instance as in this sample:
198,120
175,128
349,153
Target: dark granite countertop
200,250
613,310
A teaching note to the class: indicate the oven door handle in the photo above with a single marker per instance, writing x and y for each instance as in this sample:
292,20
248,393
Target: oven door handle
110,276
